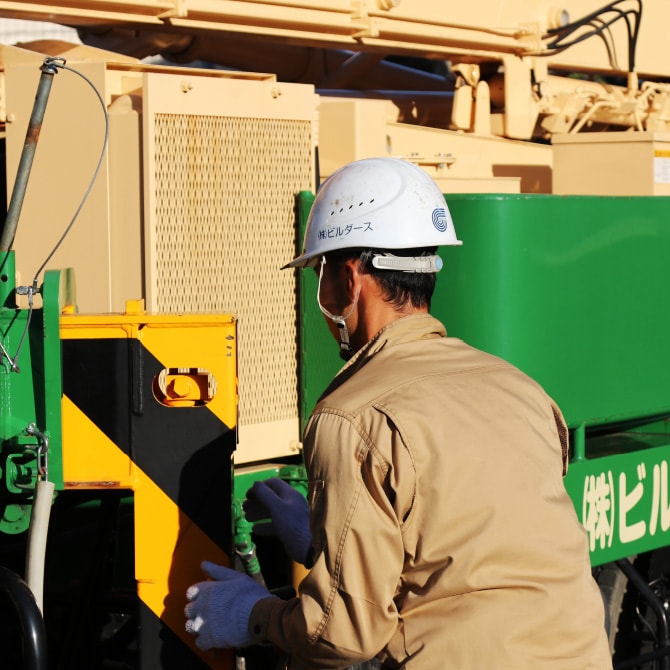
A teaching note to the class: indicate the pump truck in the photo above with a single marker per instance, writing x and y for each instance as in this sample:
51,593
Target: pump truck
137,410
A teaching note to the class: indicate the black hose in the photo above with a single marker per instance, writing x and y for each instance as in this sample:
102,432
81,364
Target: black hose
30,618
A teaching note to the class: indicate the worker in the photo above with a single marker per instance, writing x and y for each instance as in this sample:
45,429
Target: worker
438,532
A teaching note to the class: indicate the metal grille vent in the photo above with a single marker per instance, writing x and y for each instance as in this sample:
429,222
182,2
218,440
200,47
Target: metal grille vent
224,225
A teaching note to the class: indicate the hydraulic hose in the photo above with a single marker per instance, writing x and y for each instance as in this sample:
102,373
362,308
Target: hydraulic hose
37,539
30,619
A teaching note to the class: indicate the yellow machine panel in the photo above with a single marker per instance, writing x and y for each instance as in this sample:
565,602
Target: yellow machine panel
150,406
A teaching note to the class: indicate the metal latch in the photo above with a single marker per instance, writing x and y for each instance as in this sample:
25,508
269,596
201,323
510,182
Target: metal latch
184,387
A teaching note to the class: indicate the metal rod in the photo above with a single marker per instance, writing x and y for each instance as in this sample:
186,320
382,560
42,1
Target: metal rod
360,62
48,69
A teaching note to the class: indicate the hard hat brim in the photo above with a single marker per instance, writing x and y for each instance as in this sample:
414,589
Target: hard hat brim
303,261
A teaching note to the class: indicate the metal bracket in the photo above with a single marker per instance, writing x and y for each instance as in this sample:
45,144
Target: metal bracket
178,10
41,452
360,19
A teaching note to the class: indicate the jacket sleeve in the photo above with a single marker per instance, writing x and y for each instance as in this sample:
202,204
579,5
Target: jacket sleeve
345,612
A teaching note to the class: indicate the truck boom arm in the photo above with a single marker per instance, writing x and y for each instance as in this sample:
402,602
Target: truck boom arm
469,32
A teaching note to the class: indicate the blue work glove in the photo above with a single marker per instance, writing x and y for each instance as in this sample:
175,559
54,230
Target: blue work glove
218,611
289,513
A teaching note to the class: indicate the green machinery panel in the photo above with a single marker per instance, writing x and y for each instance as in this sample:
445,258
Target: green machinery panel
622,491
30,394
572,290
319,359
569,289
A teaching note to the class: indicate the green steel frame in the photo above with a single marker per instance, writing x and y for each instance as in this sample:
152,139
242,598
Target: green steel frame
30,394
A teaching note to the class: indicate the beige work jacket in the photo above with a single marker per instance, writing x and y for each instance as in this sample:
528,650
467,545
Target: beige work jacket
443,535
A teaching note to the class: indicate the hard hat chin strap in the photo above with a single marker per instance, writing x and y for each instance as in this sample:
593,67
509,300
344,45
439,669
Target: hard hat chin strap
340,321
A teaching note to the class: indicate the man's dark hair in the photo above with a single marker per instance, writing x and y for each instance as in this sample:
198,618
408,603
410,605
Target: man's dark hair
398,288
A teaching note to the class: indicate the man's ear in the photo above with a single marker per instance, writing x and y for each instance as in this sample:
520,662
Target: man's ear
353,270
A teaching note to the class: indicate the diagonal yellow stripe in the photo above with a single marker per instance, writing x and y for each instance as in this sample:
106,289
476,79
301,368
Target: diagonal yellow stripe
90,458
169,547
207,341
208,348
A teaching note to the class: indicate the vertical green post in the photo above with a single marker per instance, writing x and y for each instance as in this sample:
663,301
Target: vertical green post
579,443
30,396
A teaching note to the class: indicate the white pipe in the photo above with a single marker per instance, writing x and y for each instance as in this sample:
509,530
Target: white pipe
37,539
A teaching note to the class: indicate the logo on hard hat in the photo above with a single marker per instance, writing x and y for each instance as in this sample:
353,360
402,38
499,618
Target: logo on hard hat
440,219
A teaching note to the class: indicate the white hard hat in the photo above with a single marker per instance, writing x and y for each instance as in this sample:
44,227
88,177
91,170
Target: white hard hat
376,203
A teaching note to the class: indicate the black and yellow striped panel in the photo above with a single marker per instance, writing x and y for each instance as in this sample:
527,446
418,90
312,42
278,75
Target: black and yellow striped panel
174,454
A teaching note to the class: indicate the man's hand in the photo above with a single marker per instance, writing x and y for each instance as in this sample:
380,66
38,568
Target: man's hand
289,511
218,611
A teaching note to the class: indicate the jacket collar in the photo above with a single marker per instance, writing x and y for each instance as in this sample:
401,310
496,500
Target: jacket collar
405,329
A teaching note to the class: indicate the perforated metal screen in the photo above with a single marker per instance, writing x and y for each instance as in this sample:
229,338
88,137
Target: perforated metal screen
224,224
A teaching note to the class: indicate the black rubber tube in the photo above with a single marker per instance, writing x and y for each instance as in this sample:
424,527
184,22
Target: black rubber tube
33,634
